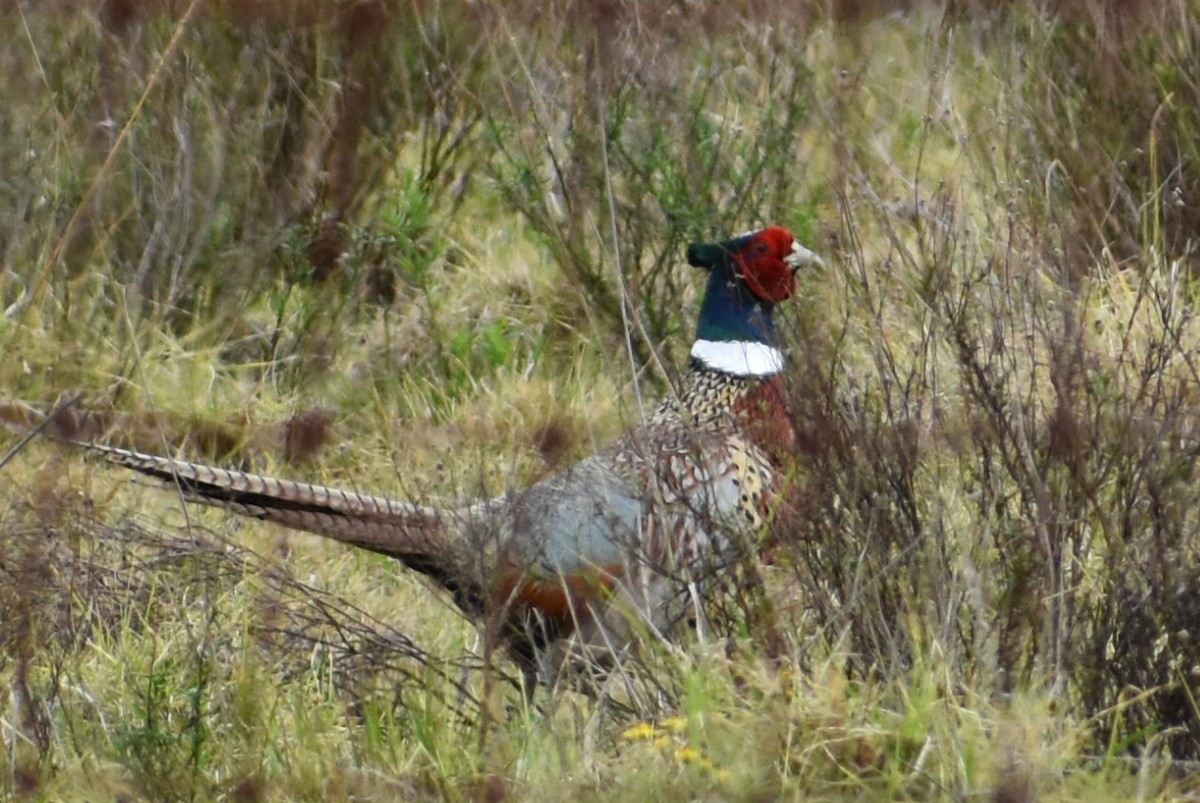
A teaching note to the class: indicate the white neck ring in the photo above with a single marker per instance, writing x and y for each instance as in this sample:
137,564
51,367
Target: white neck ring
738,357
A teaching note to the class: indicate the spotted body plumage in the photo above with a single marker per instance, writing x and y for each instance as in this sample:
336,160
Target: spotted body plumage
615,543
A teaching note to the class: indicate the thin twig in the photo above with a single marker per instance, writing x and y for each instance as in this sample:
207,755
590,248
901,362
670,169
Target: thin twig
33,433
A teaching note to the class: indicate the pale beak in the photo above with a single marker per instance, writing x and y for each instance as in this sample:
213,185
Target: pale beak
802,257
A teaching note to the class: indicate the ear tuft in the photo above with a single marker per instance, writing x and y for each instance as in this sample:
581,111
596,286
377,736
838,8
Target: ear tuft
704,255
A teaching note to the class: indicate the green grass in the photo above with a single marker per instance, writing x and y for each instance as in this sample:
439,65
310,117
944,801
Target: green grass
986,587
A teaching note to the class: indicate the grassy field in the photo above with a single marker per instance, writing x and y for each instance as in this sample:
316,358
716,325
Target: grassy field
991,585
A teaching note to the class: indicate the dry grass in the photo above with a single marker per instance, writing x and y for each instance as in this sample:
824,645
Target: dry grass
985,581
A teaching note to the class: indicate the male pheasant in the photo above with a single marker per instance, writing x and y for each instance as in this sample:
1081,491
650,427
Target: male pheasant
609,545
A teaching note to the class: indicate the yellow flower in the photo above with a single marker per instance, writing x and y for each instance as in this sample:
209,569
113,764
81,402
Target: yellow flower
641,732
686,755
675,724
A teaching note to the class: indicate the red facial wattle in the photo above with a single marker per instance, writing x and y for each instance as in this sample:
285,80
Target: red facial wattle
763,268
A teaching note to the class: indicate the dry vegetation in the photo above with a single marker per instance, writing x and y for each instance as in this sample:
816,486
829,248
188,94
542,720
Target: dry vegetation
449,265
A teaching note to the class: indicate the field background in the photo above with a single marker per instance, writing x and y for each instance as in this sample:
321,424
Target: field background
991,586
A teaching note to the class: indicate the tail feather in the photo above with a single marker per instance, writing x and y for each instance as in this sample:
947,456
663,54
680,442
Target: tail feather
413,534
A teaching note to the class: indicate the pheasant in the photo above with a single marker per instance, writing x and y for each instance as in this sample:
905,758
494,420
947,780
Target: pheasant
606,548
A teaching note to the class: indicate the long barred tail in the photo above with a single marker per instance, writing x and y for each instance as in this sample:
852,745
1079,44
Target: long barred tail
411,533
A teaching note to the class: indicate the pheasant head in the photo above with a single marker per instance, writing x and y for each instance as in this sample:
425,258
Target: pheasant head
748,275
